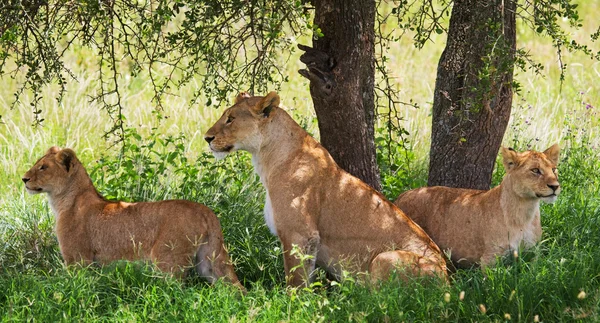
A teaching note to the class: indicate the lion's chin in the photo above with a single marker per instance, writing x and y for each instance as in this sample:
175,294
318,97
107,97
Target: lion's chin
219,155
34,191
550,199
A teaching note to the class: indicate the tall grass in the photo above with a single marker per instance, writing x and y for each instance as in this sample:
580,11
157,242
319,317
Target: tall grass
558,280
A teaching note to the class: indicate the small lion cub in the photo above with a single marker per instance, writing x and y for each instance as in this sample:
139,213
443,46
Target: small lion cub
173,234
477,226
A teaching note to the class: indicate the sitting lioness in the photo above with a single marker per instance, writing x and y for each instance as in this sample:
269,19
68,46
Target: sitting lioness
477,226
91,229
316,208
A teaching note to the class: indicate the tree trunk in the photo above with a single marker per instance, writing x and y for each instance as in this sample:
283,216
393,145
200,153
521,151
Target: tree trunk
341,70
473,93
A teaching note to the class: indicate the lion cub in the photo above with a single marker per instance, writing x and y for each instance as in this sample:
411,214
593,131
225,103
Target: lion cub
314,206
477,226
92,229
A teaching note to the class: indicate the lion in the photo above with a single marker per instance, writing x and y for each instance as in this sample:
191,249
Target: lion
477,226
322,215
91,229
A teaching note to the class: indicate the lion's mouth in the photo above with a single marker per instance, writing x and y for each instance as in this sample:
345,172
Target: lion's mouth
544,196
225,149
39,189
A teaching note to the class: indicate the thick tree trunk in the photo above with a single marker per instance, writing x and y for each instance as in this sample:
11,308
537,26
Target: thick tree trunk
341,71
473,93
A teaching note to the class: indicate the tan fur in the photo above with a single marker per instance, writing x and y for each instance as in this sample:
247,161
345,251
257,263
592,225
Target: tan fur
91,229
311,203
477,226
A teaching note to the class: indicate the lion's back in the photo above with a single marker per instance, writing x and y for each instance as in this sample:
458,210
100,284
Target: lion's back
440,209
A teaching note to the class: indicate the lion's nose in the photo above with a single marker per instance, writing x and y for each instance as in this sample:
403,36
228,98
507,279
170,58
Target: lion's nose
25,179
209,138
553,187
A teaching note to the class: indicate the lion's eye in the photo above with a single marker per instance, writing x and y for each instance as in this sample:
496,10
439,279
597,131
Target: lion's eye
43,167
554,170
229,120
536,171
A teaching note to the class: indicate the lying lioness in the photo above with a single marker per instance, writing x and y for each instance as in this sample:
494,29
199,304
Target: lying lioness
334,219
477,226
92,229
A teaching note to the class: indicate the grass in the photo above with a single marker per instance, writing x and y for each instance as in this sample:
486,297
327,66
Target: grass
559,280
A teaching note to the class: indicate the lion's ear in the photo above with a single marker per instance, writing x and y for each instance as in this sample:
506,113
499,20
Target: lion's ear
67,158
242,96
510,158
53,150
267,104
552,153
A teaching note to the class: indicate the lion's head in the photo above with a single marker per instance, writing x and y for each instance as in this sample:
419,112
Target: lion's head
51,173
533,174
239,126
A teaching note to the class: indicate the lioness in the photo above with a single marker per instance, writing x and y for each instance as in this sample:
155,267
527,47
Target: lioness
92,229
332,217
477,226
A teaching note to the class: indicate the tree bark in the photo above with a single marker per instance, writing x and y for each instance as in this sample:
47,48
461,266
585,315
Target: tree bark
341,70
473,93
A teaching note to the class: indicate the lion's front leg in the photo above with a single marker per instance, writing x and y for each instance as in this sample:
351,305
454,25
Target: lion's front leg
299,257
75,251
72,257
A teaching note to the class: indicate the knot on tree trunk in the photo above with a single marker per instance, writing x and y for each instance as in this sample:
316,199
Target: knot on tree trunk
319,70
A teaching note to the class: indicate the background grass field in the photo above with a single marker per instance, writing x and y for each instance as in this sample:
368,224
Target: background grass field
556,281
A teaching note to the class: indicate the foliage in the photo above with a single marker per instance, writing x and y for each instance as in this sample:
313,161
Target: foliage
480,57
556,281
544,17
400,169
229,45
141,166
28,244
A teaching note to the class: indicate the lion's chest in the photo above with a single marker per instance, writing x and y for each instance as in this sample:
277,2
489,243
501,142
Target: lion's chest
525,237
269,220
268,211
514,240
526,233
